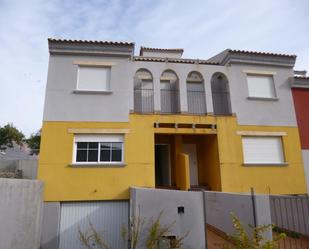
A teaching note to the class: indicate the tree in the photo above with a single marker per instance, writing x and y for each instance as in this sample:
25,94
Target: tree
8,135
34,142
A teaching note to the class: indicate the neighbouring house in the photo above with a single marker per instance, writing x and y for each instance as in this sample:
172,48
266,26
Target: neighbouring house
113,120
300,90
17,162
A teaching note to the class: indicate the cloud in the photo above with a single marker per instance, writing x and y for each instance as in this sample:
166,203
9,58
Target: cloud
202,27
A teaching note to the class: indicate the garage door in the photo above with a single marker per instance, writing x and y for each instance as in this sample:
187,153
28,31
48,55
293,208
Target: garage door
108,218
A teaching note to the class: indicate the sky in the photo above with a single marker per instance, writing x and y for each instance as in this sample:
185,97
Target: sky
202,28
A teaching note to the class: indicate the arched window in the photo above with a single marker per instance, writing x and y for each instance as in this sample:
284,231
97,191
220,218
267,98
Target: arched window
169,87
196,93
220,94
143,91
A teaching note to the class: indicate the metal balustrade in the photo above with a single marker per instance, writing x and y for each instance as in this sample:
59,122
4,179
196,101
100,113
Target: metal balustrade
143,100
170,101
196,102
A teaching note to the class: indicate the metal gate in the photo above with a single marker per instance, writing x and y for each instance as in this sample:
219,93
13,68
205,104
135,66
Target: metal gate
107,217
290,214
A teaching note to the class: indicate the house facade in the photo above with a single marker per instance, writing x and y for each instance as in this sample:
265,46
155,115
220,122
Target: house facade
300,90
113,120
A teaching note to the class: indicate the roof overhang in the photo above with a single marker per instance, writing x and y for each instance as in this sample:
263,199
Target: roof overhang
230,56
87,47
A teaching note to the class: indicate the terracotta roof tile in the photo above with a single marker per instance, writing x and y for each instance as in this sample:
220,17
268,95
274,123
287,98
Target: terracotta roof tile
173,60
259,53
91,42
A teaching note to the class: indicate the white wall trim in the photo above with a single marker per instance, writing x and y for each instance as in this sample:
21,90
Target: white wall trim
94,63
262,133
97,131
258,72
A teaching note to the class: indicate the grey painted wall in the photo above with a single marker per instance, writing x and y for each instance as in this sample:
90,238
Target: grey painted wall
150,202
262,112
219,207
306,166
61,104
21,209
50,225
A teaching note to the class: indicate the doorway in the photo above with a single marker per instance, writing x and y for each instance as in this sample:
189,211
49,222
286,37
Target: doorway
190,150
162,165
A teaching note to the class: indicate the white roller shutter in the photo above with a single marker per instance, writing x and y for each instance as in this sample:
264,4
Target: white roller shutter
108,218
94,78
263,150
261,86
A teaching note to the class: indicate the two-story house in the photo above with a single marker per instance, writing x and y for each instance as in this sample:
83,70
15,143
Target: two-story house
113,120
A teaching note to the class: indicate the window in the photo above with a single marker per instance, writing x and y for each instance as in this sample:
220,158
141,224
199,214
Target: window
93,78
98,149
263,150
261,86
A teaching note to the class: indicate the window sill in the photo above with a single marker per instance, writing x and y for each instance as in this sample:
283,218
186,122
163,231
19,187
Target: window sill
97,165
263,98
103,92
265,164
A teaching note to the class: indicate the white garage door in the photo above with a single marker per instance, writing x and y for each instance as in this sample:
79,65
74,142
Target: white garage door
108,218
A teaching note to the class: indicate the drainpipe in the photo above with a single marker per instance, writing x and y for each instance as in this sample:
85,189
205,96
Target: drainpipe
205,219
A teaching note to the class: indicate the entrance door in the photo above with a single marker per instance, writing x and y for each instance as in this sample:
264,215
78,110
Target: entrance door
190,149
162,165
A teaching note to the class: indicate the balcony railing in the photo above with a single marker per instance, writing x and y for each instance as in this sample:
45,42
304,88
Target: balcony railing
196,102
143,100
170,101
221,103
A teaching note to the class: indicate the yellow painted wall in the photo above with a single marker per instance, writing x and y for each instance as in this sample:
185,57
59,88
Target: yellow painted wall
64,182
235,177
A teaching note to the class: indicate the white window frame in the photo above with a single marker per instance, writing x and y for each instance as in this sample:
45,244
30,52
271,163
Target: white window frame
99,138
249,73
282,163
108,83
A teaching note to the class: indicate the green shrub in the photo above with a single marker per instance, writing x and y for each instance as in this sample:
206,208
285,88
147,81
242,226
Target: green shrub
242,239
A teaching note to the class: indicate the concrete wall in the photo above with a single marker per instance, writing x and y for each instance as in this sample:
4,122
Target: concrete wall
150,202
50,225
29,167
262,112
21,209
219,207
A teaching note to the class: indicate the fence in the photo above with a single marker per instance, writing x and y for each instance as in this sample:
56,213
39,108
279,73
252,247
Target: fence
290,214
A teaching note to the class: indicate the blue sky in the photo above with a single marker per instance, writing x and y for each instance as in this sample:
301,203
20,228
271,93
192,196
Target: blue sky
202,27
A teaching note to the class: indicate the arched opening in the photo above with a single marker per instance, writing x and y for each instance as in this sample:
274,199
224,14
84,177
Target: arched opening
169,87
220,94
196,93
143,91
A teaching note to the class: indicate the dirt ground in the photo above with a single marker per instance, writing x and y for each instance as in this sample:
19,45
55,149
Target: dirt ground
214,241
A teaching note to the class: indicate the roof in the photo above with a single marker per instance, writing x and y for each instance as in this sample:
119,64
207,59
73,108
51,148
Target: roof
174,60
169,50
301,77
229,56
259,53
91,42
